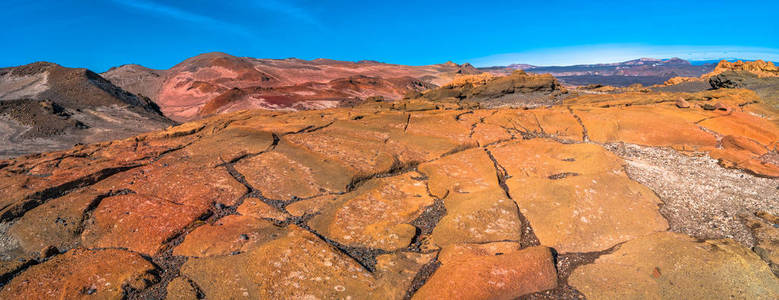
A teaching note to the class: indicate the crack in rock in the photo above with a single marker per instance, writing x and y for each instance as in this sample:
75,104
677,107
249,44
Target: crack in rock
585,136
528,238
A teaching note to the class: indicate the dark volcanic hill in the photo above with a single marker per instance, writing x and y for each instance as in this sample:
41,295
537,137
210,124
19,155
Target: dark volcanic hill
44,107
646,71
207,83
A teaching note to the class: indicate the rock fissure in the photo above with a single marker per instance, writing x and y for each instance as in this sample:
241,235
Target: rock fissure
87,214
562,175
41,197
460,115
397,168
585,135
528,237
565,265
198,290
422,276
310,128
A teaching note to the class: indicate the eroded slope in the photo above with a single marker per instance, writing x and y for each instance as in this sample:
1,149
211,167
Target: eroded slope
46,107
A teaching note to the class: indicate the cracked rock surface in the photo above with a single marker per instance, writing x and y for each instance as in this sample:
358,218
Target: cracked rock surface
601,196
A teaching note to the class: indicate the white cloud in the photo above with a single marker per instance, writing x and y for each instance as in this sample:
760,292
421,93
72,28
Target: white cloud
183,15
288,9
616,52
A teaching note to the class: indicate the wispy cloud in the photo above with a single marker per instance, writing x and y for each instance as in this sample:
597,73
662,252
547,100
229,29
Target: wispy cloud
289,9
619,52
182,15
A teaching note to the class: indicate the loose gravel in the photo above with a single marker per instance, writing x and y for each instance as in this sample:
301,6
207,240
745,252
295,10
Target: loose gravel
701,198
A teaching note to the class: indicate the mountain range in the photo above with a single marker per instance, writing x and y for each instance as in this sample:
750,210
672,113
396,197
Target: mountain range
646,71
218,82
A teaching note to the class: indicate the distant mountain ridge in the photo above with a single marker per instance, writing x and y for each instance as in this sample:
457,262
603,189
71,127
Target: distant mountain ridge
647,71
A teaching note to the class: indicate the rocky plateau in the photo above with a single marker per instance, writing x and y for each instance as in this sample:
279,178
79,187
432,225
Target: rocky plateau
480,187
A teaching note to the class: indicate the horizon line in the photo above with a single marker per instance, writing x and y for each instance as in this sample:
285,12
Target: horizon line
476,65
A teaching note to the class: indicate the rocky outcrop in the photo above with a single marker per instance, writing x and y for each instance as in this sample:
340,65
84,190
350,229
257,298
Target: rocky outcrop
758,67
739,68
602,196
519,89
766,87
679,80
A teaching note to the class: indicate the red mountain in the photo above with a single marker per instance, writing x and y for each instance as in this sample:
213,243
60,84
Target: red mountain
218,82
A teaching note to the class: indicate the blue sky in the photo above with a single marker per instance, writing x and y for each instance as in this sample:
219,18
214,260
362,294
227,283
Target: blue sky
159,34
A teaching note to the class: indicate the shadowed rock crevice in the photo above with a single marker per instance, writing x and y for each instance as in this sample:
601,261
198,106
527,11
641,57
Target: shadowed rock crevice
517,131
426,222
528,238
456,150
460,115
87,214
276,140
562,175
16,210
167,266
565,264
8,276
421,277
310,128
585,135
397,168
365,257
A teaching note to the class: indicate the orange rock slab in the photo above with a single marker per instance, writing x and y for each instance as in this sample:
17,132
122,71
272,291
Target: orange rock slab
670,265
377,214
82,274
645,125
229,235
56,223
478,272
576,196
300,265
478,210
180,179
138,223
744,125
290,171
